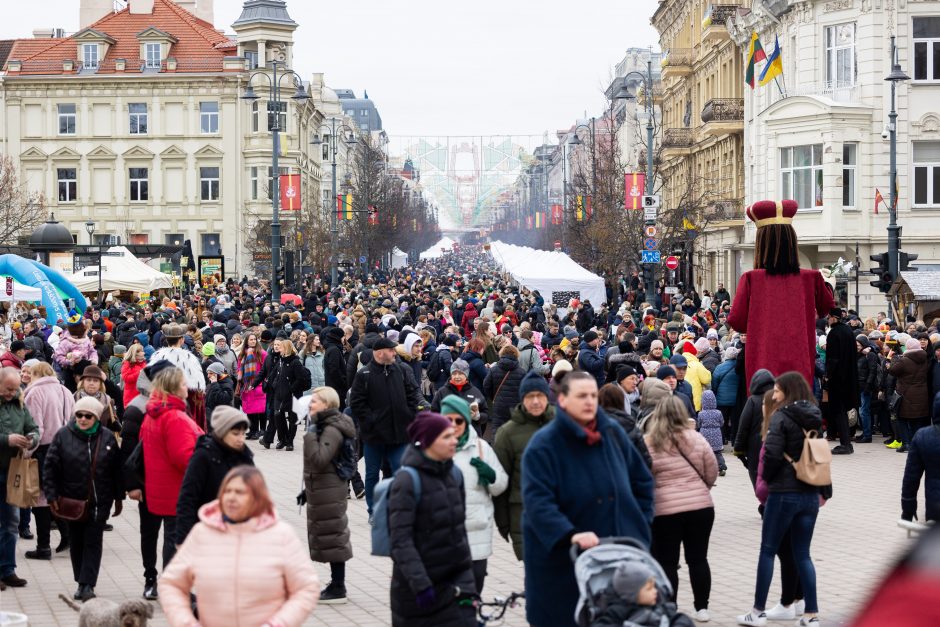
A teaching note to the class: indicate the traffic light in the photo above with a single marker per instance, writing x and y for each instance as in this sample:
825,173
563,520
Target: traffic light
881,271
280,275
904,261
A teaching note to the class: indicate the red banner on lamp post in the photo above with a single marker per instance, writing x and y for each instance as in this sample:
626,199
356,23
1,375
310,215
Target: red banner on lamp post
633,190
290,192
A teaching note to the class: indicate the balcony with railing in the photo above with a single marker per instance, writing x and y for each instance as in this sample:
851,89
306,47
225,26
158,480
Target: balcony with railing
723,116
677,142
721,212
835,91
676,62
714,22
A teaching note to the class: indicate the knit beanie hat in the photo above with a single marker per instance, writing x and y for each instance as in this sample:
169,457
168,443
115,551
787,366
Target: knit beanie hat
426,427
701,345
460,365
88,404
208,349
652,391
712,334
590,336
119,350
453,404
562,365
656,344
219,336
532,382
225,418
629,579
664,372
688,348
912,345
625,371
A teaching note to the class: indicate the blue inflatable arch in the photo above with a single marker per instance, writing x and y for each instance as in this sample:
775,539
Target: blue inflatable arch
35,274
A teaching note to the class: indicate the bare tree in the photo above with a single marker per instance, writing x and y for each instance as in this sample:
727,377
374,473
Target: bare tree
21,211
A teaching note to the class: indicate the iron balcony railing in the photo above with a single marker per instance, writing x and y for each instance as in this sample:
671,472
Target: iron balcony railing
723,110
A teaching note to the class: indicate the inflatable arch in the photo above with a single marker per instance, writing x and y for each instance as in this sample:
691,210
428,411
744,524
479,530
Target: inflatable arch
35,274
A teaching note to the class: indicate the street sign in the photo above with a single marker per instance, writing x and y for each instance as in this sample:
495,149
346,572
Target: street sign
651,201
650,256
650,230
362,259
672,262
672,290
650,244
649,214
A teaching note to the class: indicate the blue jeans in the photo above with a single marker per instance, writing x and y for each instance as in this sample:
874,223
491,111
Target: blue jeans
864,414
375,455
9,530
797,512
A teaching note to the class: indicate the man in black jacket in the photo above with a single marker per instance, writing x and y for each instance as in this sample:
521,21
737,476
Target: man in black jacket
384,399
841,379
868,366
334,366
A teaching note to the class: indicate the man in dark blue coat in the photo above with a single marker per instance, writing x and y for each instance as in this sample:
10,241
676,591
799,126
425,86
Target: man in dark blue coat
589,359
582,479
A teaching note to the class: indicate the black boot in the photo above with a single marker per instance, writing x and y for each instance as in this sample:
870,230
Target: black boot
39,554
333,594
358,486
150,590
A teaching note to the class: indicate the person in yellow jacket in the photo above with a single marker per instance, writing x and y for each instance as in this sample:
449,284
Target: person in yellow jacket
697,375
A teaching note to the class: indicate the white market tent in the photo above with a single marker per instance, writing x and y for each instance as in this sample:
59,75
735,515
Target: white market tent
20,293
435,251
556,276
399,258
122,272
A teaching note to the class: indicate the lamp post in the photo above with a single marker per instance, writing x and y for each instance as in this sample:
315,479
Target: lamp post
90,228
350,140
896,76
300,95
624,93
576,141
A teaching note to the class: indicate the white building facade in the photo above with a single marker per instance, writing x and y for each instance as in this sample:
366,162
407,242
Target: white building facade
820,137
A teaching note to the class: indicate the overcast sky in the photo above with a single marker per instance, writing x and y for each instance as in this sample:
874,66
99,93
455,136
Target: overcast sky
433,67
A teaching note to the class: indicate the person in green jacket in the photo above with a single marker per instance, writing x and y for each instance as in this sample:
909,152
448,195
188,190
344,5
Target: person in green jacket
530,415
18,433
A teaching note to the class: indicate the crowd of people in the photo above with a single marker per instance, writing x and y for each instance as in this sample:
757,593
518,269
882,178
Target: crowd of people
557,424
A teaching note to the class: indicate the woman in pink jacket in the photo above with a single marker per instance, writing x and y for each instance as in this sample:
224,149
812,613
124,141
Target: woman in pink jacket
684,469
247,565
253,398
50,404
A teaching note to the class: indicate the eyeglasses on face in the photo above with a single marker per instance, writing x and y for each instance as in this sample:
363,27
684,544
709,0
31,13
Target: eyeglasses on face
84,416
458,422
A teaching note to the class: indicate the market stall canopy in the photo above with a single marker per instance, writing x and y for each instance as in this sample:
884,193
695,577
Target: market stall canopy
556,276
435,251
122,272
399,258
20,292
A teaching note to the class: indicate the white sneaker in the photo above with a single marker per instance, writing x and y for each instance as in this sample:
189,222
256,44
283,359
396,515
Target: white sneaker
702,616
799,606
808,622
781,612
750,619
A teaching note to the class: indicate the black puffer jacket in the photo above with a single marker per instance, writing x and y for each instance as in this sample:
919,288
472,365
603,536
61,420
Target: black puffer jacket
501,387
209,464
636,436
868,366
429,542
68,466
361,354
747,443
334,365
285,379
222,392
385,399
785,435
468,393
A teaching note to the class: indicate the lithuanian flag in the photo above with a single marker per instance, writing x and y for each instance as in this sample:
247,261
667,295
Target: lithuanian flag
755,55
344,207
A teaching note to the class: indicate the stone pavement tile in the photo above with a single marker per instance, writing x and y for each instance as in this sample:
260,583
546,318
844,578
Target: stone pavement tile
856,540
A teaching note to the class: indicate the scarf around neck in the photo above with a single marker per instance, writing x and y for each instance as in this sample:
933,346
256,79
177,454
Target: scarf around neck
590,430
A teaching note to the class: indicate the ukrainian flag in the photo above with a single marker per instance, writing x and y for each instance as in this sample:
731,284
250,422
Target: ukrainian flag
774,67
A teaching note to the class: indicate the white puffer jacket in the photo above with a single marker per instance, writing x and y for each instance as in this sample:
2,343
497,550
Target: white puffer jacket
479,522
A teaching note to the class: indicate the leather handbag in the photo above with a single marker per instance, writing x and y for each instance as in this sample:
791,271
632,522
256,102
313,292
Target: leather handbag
76,510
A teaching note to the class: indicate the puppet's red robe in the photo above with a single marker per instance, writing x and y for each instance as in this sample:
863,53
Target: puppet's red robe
778,313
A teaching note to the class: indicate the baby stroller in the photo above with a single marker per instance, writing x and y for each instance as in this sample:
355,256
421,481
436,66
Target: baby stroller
594,568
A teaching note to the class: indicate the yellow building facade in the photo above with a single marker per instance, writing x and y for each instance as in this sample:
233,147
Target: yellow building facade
701,159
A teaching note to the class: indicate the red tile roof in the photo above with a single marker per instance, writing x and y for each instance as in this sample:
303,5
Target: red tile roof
199,47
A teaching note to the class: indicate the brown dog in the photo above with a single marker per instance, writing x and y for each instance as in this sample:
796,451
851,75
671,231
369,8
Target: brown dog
106,613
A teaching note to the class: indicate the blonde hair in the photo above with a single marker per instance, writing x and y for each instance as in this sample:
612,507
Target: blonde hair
287,348
768,407
328,395
41,370
168,381
668,418
132,351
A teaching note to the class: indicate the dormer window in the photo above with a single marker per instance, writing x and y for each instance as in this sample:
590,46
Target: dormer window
154,55
90,56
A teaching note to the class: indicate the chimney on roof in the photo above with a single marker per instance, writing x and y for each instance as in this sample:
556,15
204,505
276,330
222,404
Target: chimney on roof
202,9
90,11
141,7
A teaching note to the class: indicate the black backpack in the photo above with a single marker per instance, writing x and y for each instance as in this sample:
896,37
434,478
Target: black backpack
435,368
345,462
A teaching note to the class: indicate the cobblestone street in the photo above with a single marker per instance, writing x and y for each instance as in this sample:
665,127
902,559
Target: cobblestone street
856,540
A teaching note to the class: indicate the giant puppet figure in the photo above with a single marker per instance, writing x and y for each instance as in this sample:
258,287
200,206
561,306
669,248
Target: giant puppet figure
777,303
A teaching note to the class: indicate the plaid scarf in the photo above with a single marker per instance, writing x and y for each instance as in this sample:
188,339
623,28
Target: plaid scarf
250,367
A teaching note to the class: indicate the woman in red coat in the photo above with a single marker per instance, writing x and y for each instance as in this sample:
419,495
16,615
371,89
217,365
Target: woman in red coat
168,436
777,303
134,362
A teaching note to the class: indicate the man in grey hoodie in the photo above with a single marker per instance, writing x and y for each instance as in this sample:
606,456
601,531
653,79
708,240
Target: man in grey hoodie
529,357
